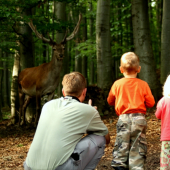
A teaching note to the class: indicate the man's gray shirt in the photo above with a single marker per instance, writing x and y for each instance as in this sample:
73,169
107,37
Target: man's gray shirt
62,124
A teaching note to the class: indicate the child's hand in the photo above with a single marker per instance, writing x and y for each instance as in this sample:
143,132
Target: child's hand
90,103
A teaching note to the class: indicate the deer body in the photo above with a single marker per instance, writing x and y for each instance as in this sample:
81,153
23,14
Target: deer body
35,73
36,82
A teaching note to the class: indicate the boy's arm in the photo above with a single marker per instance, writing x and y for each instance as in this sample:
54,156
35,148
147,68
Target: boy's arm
111,97
149,99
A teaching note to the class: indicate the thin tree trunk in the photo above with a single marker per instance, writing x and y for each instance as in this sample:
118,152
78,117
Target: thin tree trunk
27,58
84,58
104,59
142,44
78,57
60,13
44,60
91,60
159,8
14,88
165,39
1,72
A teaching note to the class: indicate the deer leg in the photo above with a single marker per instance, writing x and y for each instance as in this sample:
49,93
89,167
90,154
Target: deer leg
21,103
51,96
27,101
38,109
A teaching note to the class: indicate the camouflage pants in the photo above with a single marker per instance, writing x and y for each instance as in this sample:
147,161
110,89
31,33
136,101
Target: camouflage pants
130,145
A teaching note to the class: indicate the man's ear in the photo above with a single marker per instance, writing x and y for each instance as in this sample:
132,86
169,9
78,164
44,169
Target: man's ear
63,92
139,68
121,69
84,91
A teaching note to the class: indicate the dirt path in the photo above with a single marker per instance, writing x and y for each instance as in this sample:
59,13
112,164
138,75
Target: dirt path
15,142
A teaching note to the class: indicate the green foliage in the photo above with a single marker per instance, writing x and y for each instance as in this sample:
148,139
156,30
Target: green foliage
6,115
87,48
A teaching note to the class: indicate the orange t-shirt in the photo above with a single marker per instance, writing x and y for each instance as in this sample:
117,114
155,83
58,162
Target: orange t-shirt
130,95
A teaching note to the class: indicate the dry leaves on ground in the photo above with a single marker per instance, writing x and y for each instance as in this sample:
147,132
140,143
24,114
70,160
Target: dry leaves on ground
15,142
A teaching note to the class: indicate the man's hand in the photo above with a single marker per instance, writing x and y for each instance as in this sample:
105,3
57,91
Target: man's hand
90,103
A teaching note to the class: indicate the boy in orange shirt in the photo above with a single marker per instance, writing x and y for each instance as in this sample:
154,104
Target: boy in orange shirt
130,96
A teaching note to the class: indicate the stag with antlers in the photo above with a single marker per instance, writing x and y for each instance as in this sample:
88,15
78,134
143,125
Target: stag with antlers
44,79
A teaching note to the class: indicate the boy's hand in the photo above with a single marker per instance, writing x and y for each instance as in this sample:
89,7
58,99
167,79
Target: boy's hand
90,103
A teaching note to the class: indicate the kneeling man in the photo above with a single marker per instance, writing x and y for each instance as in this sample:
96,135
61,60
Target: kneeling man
58,143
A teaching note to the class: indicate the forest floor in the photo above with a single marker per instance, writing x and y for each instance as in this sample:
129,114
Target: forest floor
15,142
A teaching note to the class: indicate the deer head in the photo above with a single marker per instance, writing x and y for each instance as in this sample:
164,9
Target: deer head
58,49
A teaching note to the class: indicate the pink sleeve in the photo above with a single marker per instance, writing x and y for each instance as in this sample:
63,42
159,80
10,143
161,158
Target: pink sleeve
158,110
111,97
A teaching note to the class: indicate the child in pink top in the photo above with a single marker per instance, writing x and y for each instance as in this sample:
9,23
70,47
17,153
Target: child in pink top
163,113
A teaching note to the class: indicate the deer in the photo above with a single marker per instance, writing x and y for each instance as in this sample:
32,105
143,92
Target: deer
36,82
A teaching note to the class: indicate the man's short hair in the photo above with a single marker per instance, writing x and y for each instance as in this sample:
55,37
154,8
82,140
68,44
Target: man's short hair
130,62
74,83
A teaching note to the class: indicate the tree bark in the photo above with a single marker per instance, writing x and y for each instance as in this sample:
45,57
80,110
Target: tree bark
84,58
103,47
1,72
60,13
104,59
14,88
159,6
91,60
44,33
78,56
142,44
165,39
27,57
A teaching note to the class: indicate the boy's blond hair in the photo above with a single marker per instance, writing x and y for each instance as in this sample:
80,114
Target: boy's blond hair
130,62
166,87
73,84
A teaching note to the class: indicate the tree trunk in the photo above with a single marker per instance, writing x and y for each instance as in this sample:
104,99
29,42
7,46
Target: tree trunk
84,58
44,45
27,58
142,44
60,13
78,57
1,72
165,39
14,88
159,6
104,59
91,60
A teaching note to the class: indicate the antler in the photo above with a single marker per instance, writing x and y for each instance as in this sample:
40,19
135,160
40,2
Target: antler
75,29
40,36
